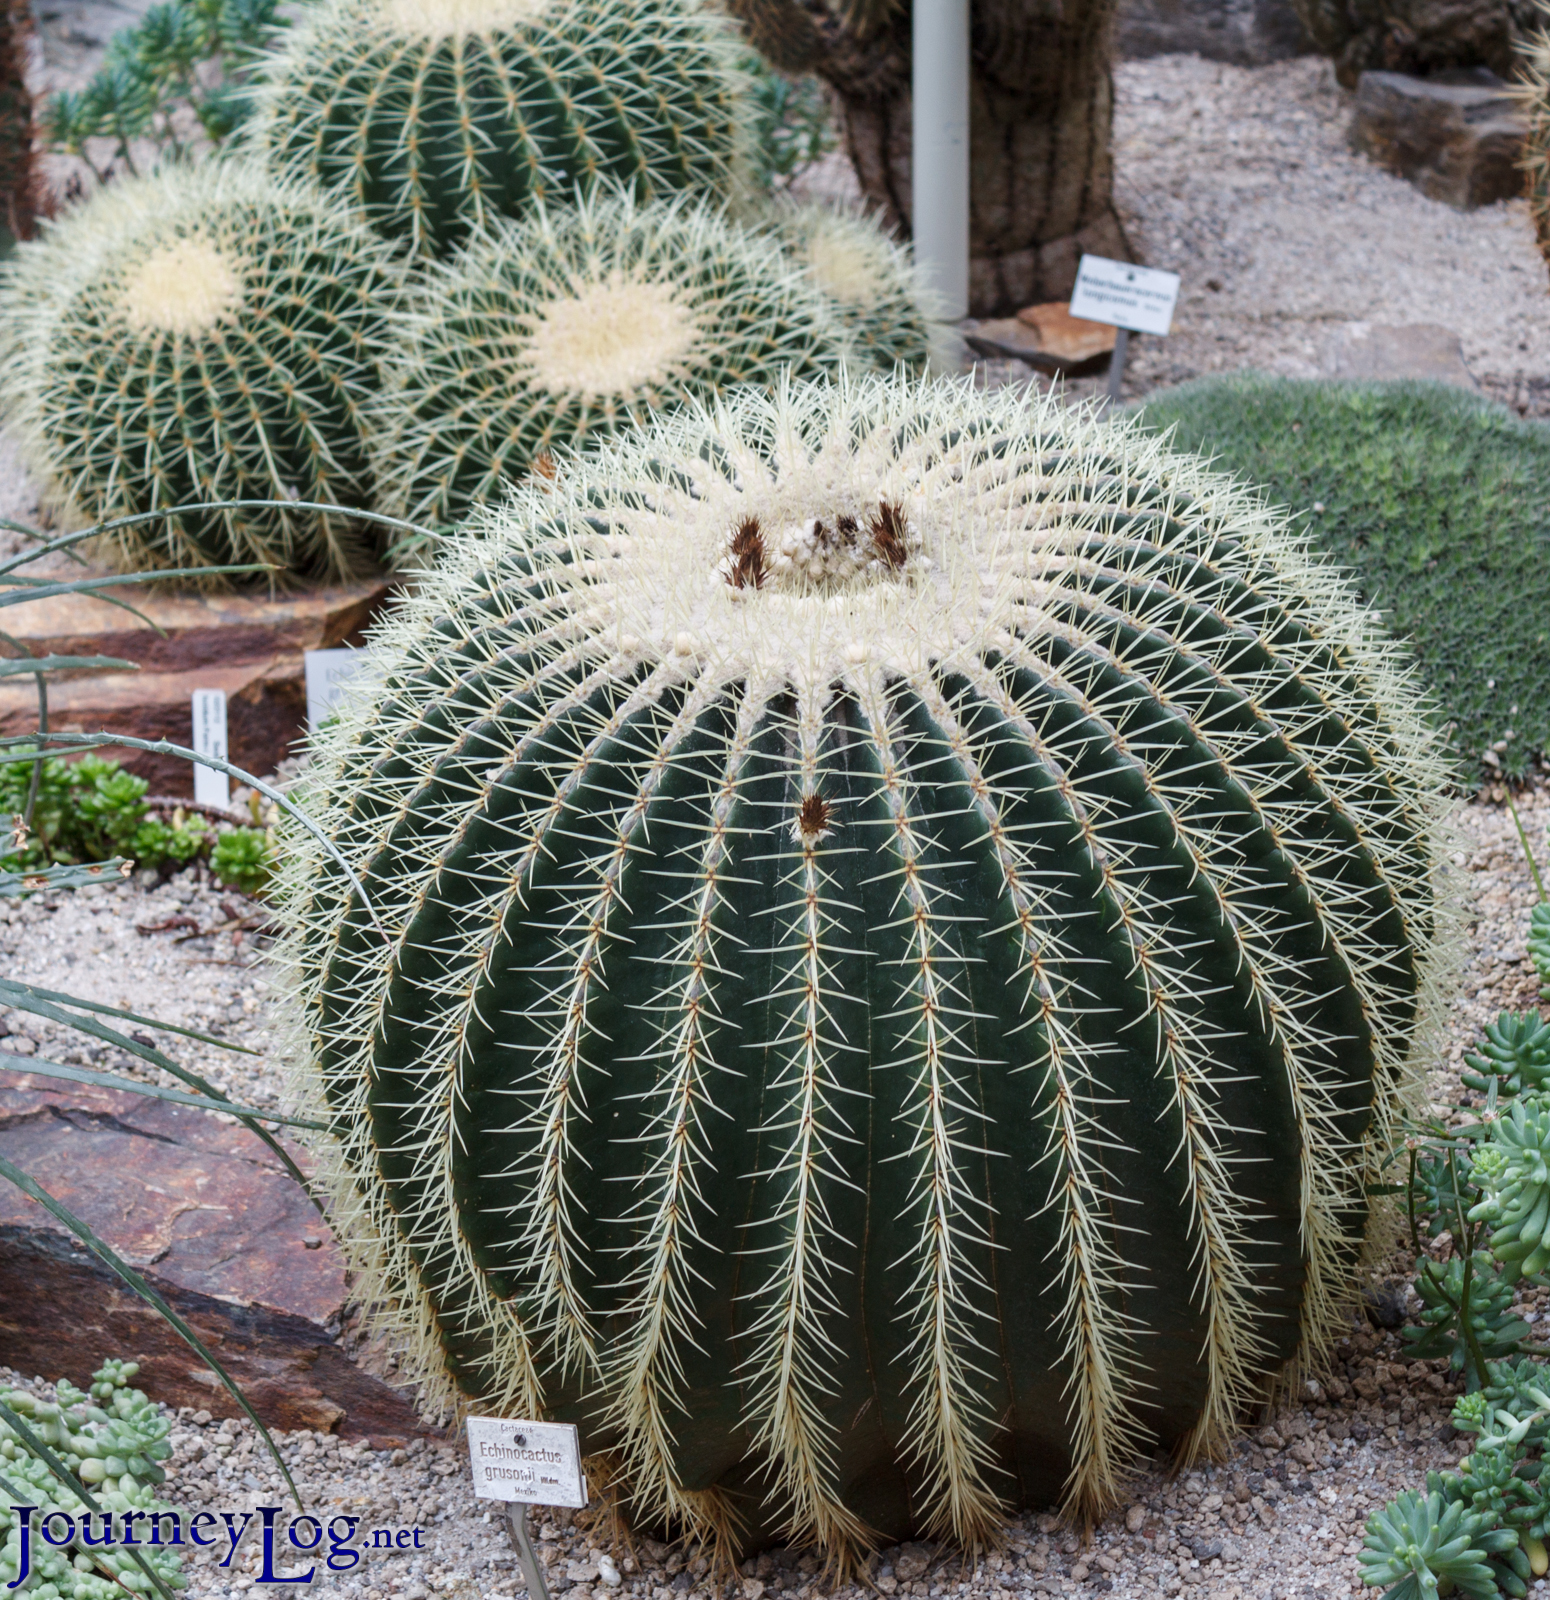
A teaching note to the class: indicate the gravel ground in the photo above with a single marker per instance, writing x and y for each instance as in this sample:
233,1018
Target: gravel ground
1239,180
1280,1520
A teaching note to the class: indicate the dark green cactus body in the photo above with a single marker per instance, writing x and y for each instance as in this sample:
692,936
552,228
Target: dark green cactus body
438,116
889,1040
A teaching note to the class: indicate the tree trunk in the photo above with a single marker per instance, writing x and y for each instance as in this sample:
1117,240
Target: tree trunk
1041,118
18,169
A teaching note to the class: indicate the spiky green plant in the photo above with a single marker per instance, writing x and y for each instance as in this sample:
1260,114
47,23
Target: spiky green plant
893,922
870,280
439,116
577,322
200,334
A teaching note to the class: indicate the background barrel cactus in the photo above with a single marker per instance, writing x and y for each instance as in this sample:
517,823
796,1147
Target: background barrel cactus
1533,95
892,921
436,116
577,322
200,334
869,279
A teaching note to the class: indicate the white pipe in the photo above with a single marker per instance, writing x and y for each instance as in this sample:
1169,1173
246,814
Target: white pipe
940,89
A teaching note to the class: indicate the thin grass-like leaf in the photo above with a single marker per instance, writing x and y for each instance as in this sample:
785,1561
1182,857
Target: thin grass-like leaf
110,1258
74,877
12,668
111,1080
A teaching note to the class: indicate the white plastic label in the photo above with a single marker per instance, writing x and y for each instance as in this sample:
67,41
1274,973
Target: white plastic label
326,671
1124,295
211,788
535,1462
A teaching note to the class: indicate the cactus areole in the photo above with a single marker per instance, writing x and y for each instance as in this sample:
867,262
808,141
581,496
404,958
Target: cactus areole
894,923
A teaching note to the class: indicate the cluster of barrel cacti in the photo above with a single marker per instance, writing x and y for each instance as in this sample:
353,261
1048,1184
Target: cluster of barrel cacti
426,217
800,884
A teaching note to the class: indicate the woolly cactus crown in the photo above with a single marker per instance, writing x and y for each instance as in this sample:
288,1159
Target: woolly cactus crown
438,116
891,923
578,322
869,279
196,335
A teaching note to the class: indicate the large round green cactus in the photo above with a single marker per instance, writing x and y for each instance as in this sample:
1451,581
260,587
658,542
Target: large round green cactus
199,335
887,927
870,281
576,322
437,116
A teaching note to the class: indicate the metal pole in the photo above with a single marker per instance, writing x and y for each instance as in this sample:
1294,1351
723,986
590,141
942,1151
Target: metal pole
940,157
1117,363
532,1568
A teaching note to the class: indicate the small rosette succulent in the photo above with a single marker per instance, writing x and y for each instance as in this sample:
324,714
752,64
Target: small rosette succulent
579,322
1426,1541
815,876
201,334
437,117
1513,1170
1515,1054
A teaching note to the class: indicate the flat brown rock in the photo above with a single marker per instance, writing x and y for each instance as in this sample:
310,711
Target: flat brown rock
250,646
1045,336
204,1210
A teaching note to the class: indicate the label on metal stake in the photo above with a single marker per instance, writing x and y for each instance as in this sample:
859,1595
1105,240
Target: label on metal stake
536,1462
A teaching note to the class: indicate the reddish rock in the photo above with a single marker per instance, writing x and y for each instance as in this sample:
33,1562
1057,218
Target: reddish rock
249,646
1045,336
204,1210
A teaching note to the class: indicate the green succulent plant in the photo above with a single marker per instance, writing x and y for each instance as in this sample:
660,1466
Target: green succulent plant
197,335
1421,1543
1515,1053
580,321
436,117
891,929
1445,1329
870,281
1539,945
1513,1171
244,859
110,1437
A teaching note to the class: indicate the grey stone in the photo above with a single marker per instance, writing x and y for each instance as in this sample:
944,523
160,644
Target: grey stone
1456,136
1248,33
1423,350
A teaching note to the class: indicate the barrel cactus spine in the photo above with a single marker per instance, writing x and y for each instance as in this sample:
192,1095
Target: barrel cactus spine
201,335
1532,90
438,116
871,281
578,321
893,924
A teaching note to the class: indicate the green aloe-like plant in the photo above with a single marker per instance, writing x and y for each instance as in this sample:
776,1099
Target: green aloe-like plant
896,921
436,117
199,335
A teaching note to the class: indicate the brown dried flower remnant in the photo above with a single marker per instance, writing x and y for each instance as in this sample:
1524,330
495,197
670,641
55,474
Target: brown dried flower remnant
815,818
887,530
748,568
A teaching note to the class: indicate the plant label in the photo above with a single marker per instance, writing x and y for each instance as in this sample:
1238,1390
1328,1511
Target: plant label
1124,296
538,1463
211,788
326,671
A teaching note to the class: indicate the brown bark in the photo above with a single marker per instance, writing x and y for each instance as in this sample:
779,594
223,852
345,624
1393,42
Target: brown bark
1041,118
18,167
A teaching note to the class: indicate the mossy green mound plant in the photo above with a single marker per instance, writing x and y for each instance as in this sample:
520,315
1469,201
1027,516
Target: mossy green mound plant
1438,502
870,281
578,322
201,334
111,1438
439,116
893,923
